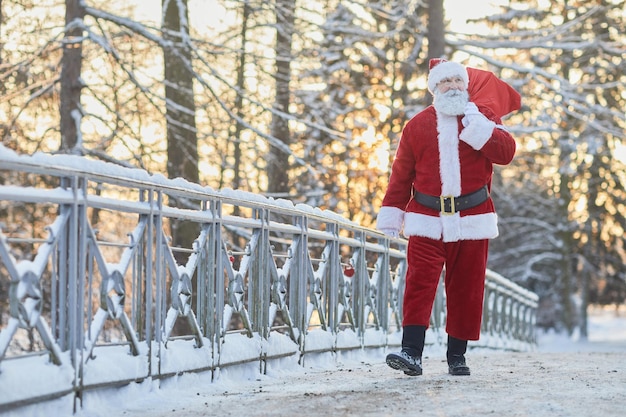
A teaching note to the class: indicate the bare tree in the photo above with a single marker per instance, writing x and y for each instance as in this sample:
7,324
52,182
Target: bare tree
278,160
71,83
182,149
368,62
436,31
237,127
180,111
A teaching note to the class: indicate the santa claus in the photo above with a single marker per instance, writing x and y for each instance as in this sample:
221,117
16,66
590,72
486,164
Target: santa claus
439,197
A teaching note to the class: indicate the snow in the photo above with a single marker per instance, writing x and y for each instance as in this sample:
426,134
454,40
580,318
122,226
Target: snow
564,376
65,162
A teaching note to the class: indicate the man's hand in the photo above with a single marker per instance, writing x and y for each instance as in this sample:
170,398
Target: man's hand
477,128
472,114
390,220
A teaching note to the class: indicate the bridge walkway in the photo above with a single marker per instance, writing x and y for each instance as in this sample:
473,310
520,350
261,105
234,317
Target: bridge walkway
580,380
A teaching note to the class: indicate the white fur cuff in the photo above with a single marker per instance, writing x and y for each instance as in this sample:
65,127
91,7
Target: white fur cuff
390,218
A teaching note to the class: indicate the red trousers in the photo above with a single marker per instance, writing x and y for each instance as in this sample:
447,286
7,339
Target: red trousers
466,263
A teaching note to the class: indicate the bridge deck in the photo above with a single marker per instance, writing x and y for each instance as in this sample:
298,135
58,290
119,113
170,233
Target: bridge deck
583,383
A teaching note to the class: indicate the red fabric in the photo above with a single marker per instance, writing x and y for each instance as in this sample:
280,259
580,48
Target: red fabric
466,262
416,164
435,61
486,89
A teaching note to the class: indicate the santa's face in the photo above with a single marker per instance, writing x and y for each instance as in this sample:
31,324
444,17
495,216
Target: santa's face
450,83
451,96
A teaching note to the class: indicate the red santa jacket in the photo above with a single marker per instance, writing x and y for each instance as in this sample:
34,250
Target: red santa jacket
437,155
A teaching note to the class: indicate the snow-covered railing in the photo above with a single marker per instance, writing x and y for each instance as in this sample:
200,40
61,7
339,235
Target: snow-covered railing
93,293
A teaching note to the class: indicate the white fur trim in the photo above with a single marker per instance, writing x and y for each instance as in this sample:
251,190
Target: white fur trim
445,70
452,228
478,132
449,160
417,224
479,226
390,218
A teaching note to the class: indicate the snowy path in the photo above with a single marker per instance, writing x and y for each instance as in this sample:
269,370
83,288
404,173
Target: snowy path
563,378
589,382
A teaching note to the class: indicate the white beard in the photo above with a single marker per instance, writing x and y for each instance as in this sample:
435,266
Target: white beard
452,102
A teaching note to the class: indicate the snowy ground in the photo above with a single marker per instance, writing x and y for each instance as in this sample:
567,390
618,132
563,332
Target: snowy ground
564,377
513,384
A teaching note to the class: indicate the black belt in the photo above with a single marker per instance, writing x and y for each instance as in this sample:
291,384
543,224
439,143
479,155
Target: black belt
449,205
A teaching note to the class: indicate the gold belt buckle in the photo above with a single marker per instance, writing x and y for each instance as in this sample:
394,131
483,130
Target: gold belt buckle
442,200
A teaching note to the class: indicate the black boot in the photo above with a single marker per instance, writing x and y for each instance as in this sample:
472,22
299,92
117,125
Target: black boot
456,356
409,360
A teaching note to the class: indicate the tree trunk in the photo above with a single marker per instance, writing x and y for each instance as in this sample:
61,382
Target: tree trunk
182,142
567,179
436,34
436,29
567,266
237,126
182,149
278,161
71,84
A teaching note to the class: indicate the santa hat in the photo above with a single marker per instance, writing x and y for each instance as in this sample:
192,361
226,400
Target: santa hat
440,69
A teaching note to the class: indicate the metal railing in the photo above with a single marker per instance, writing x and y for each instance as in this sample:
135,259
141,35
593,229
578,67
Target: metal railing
90,280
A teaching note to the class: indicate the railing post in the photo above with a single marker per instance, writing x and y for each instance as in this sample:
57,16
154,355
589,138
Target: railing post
160,287
360,285
211,280
334,273
259,276
298,281
150,247
383,284
71,302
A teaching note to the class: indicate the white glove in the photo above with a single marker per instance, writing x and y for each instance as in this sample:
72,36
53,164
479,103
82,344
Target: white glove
390,220
477,128
391,232
471,113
